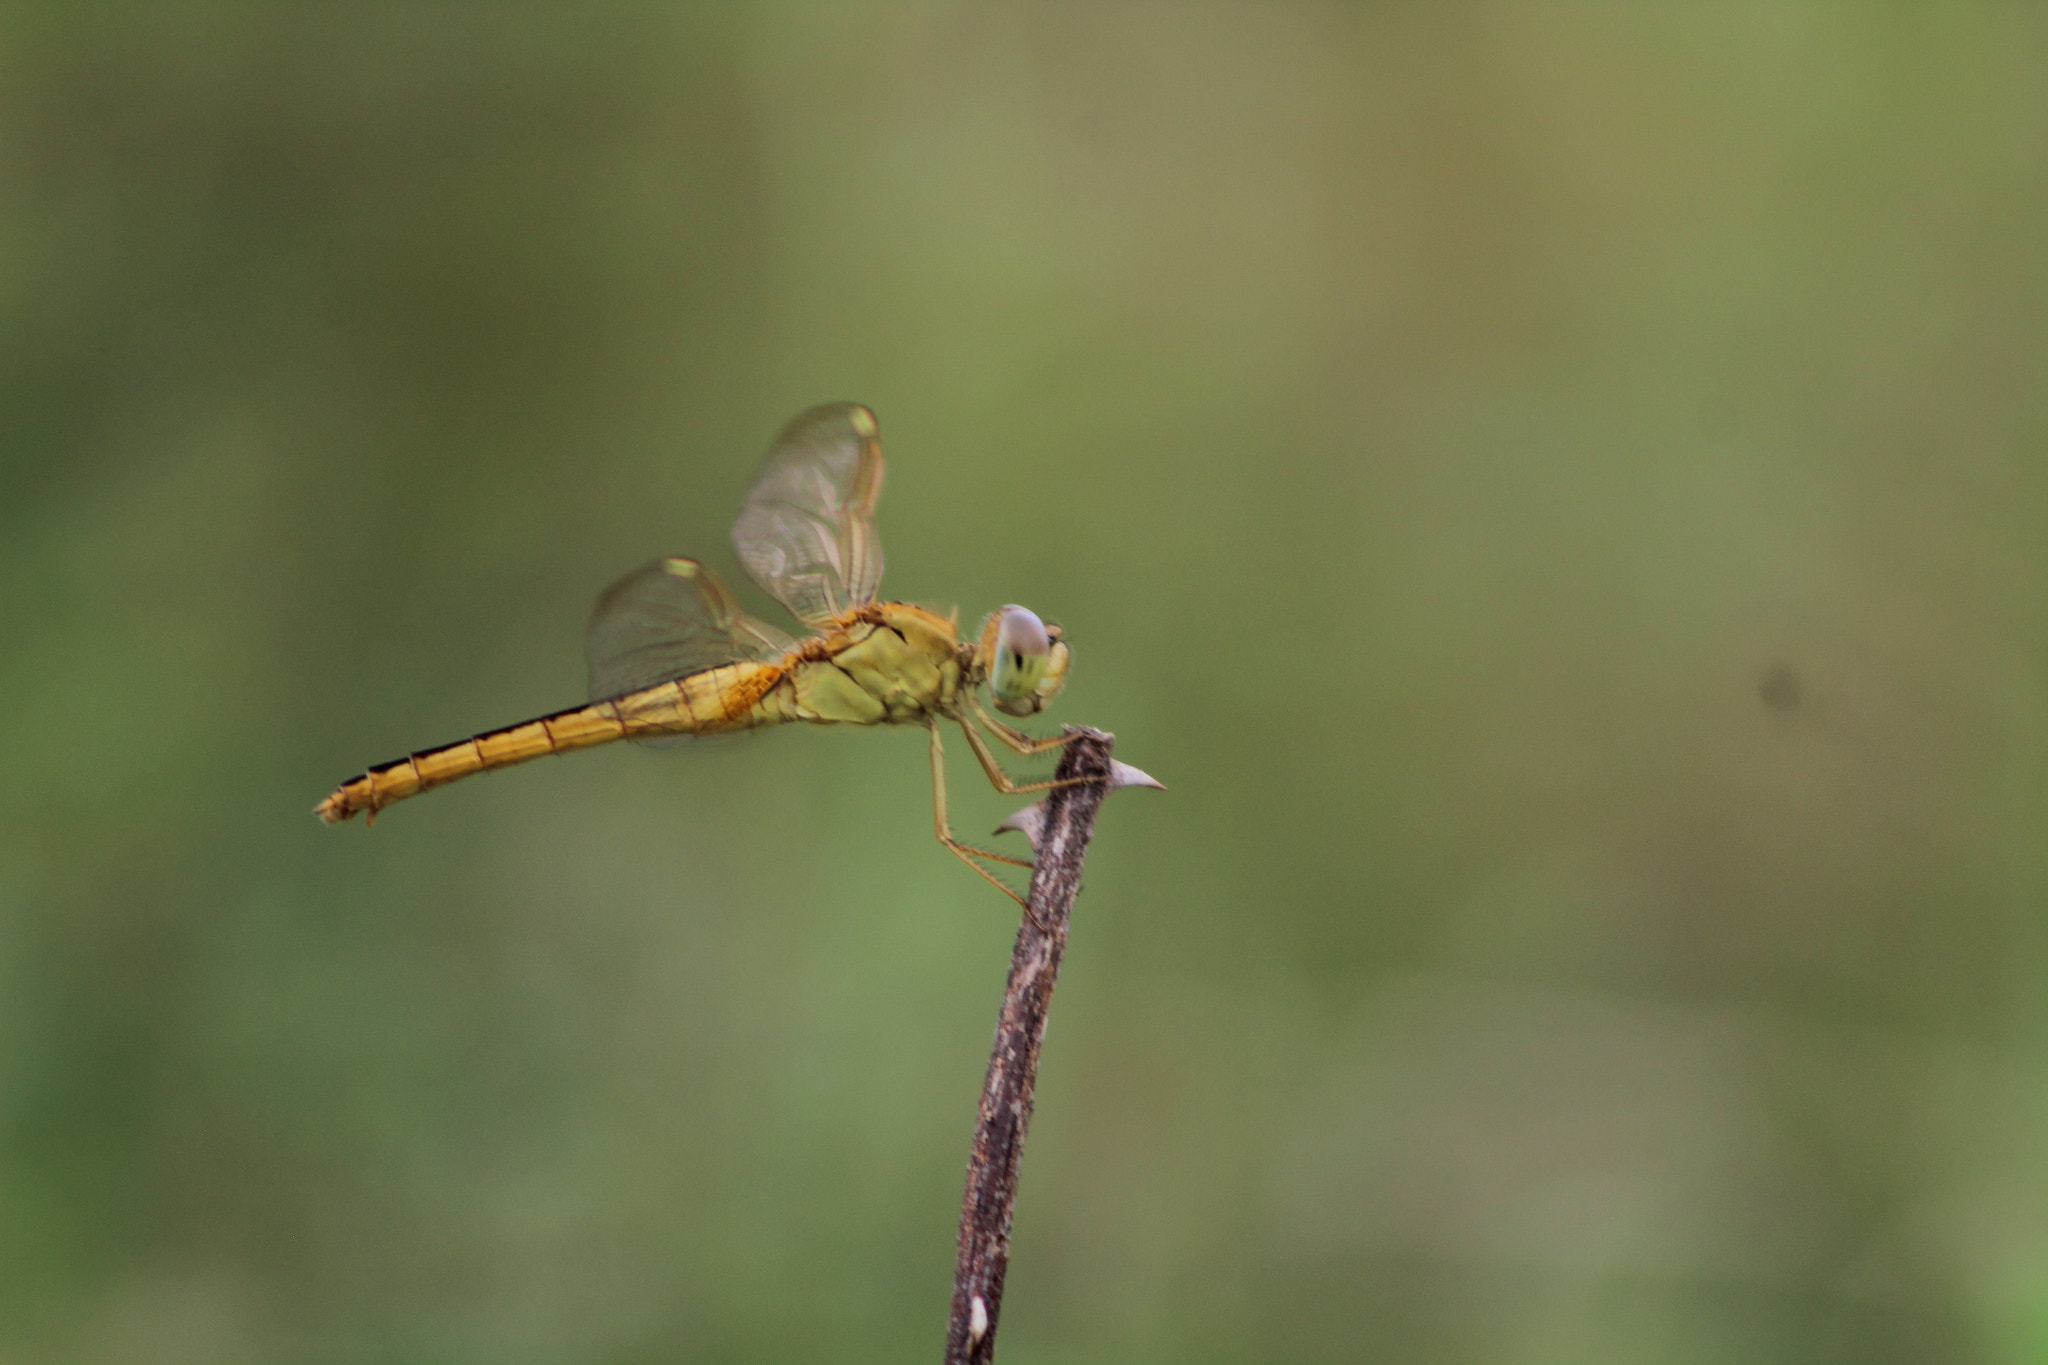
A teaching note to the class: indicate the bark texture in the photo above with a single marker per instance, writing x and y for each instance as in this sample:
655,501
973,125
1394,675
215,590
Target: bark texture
985,1213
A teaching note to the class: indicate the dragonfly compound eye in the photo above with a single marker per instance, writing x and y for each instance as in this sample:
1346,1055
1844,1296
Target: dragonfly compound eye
1022,651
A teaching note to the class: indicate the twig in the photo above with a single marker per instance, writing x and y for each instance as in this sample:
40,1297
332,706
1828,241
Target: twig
1059,829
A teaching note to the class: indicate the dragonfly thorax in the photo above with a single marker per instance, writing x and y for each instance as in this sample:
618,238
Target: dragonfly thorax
881,664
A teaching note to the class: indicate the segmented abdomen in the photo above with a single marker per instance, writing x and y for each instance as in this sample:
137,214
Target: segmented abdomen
731,697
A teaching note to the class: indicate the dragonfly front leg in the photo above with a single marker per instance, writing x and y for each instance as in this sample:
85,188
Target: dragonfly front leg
1000,779
1027,745
966,853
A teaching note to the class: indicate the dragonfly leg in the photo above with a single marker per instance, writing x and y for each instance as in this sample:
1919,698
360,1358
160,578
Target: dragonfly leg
943,827
1000,779
1027,745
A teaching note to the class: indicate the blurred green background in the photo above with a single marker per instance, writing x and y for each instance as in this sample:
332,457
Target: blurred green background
1557,492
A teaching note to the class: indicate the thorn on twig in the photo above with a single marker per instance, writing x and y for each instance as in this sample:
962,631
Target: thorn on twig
1030,821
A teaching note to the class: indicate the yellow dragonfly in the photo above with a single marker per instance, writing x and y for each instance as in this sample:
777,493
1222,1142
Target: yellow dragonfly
671,653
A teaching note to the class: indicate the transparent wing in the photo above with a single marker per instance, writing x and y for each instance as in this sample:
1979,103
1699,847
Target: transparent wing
807,529
666,620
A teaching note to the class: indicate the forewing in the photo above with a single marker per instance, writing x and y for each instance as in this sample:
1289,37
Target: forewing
667,620
807,529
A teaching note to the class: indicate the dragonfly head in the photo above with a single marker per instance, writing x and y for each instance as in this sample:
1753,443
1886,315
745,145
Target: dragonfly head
1024,660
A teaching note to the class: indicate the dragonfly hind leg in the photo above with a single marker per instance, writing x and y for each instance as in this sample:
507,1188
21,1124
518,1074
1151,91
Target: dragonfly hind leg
966,853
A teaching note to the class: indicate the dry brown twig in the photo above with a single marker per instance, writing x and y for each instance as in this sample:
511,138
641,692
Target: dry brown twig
1059,828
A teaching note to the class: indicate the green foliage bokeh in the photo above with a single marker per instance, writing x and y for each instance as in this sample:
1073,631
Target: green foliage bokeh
1557,493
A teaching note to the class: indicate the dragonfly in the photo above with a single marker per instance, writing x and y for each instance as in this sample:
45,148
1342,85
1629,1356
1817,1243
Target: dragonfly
672,654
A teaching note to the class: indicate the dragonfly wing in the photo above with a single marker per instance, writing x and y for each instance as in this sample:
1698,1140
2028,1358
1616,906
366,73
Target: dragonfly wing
807,529
667,620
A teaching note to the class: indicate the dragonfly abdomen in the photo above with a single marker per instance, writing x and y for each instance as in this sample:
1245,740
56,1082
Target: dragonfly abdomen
732,697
